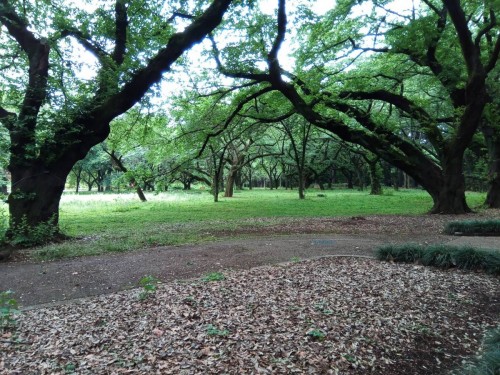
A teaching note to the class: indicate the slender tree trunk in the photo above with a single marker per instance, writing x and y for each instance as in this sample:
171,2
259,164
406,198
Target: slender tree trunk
349,178
395,178
216,187
375,186
121,167
302,184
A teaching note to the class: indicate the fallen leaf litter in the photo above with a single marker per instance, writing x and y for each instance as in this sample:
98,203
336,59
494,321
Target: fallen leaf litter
322,316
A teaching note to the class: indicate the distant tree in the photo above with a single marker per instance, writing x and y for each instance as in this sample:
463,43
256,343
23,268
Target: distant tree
365,105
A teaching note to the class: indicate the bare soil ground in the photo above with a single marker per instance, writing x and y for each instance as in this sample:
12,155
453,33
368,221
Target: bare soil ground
253,243
326,315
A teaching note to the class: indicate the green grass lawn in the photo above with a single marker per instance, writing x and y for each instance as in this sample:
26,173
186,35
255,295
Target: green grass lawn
112,222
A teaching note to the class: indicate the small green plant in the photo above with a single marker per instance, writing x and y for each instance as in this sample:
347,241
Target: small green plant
316,334
295,259
214,331
323,308
149,285
8,310
214,276
349,358
70,368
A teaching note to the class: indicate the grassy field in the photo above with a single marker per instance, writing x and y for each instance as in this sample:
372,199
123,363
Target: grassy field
112,223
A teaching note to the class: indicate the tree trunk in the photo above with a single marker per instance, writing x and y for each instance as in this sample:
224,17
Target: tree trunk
238,180
302,184
375,186
451,196
250,178
395,178
492,139
350,184
117,162
228,193
215,187
34,202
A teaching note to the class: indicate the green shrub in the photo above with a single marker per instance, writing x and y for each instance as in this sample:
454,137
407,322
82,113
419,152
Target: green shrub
492,261
469,258
439,256
474,227
443,256
407,253
488,362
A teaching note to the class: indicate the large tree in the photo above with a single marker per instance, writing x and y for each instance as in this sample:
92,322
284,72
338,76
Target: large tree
356,112
54,123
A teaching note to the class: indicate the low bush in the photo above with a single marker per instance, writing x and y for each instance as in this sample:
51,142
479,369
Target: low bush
438,256
474,227
443,256
488,362
407,253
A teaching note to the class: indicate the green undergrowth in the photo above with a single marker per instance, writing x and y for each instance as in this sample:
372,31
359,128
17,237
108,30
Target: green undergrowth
488,361
107,223
474,227
443,256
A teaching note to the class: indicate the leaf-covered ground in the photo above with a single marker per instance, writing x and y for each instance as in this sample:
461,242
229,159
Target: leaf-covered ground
337,315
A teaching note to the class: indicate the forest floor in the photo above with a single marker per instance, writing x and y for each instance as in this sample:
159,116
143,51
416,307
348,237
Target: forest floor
298,296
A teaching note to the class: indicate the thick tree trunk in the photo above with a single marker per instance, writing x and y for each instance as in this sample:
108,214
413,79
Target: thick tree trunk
238,180
493,143
34,203
493,196
450,198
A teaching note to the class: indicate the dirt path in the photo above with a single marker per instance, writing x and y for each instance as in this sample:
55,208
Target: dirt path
49,282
